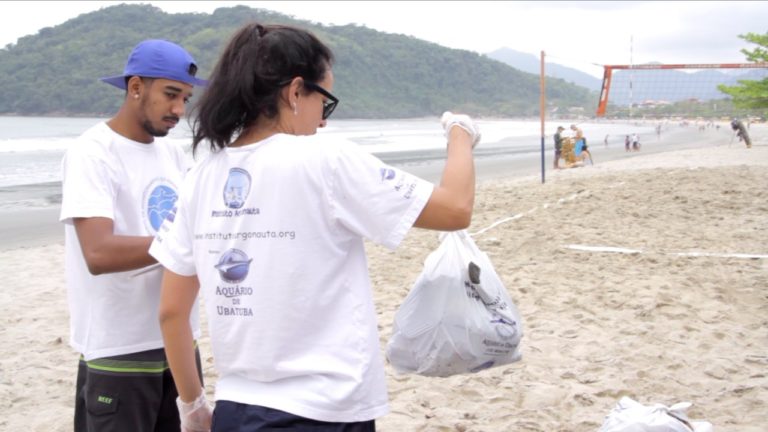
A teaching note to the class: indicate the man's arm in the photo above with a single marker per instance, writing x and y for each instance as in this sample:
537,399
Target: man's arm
105,252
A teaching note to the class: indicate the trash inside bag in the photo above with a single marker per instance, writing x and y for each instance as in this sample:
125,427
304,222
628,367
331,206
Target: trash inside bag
631,416
458,317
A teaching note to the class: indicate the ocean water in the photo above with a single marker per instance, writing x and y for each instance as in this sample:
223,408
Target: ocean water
31,148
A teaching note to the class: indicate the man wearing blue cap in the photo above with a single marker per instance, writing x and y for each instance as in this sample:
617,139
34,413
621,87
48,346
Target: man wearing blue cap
119,183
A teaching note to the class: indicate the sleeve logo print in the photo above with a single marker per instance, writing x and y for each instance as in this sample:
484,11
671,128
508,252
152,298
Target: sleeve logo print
387,174
402,184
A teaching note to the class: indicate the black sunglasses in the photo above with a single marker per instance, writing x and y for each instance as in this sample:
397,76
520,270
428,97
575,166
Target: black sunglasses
329,104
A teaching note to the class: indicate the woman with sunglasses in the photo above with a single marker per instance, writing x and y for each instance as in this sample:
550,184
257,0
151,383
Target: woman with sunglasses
270,228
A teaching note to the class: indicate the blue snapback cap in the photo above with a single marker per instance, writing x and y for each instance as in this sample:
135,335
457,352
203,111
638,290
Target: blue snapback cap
156,58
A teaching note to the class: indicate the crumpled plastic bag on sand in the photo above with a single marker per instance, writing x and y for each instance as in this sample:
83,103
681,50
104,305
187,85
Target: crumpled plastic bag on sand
631,416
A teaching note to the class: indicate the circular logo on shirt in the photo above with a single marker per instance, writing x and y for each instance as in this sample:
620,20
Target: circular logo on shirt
237,188
233,266
159,200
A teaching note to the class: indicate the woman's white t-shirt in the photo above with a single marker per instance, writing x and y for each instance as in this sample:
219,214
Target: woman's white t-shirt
274,231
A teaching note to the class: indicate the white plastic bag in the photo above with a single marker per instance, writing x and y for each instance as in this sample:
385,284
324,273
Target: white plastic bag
458,316
631,416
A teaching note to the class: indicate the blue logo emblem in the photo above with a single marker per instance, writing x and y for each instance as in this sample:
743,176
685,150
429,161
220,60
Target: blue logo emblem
233,266
160,205
237,188
387,173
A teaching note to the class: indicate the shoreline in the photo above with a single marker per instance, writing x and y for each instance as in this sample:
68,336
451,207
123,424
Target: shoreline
29,213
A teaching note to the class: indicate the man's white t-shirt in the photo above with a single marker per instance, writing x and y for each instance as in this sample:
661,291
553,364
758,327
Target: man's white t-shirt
135,185
274,231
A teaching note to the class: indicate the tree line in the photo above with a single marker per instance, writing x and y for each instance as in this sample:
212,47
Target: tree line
378,75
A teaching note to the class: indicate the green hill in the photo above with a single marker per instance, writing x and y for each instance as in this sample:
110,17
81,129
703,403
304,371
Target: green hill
378,75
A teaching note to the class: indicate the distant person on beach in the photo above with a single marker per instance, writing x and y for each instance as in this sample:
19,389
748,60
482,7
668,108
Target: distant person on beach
558,146
627,143
119,183
270,228
578,134
605,141
635,142
581,143
741,132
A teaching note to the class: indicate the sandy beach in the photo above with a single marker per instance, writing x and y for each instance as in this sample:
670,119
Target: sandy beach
642,276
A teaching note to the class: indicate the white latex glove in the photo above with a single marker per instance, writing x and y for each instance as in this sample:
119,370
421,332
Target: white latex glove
196,415
463,121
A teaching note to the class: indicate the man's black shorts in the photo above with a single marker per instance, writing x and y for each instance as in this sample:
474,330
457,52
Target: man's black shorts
127,393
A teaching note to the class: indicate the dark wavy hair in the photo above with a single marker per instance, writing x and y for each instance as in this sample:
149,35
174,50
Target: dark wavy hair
246,82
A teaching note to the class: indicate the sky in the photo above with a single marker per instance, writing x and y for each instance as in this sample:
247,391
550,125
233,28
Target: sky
582,35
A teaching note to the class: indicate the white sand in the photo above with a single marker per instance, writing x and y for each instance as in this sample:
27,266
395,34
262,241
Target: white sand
654,325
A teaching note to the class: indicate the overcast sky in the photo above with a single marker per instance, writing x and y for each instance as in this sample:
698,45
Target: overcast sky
577,34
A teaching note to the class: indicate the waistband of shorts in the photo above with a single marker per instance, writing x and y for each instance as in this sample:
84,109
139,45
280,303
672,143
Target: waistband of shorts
144,362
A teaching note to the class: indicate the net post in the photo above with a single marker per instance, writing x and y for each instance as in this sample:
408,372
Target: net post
542,113
603,101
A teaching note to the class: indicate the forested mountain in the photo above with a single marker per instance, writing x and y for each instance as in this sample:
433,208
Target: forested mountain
378,75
